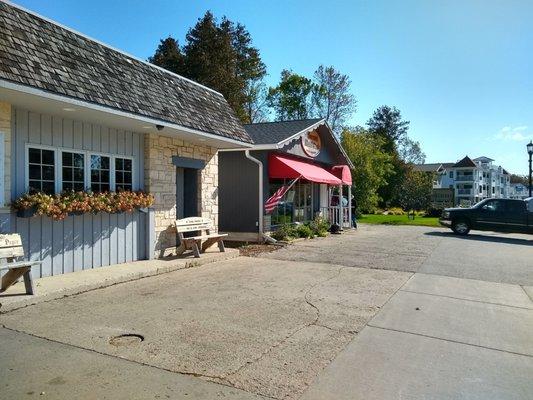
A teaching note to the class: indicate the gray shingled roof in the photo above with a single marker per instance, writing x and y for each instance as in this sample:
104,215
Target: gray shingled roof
38,53
275,132
465,162
431,167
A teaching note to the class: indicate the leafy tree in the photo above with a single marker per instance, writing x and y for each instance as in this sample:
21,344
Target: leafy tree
410,151
523,179
416,189
168,55
371,166
218,55
255,104
332,98
387,122
291,99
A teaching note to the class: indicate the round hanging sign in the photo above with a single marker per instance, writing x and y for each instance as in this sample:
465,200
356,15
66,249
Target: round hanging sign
311,143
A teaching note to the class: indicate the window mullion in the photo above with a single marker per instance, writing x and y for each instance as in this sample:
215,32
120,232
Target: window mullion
58,173
112,183
87,170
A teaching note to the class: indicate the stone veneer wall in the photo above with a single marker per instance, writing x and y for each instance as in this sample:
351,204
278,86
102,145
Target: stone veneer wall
5,128
160,180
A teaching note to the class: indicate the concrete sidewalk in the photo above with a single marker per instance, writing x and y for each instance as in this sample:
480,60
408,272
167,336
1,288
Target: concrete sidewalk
439,338
55,287
33,367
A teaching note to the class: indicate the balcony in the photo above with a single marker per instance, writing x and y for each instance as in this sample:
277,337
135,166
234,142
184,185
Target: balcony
464,178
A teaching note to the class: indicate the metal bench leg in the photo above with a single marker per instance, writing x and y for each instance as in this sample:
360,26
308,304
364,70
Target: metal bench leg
28,281
221,246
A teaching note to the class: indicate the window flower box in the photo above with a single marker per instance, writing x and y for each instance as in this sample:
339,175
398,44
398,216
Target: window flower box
27,212
59,206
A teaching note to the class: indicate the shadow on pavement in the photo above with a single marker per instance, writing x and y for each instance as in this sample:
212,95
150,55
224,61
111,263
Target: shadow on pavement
484,238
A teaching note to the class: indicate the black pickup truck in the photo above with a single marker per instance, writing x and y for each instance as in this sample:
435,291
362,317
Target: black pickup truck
500,215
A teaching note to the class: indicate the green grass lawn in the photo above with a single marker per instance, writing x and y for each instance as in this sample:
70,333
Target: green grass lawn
398,220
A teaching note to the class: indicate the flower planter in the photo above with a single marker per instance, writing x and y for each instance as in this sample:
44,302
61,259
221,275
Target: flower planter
61,205
27,212
73,213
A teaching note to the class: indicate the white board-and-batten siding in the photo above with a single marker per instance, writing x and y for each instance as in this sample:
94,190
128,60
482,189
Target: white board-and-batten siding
84,241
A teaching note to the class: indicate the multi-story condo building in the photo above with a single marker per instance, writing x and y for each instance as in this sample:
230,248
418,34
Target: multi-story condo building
471,180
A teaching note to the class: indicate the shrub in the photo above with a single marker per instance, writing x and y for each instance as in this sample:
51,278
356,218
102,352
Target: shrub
396,211
319,226
284,232
304,231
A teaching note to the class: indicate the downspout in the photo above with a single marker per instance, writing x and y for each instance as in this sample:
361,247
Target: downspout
261,235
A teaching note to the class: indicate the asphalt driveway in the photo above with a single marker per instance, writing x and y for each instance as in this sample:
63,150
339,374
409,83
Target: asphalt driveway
486,256
380,313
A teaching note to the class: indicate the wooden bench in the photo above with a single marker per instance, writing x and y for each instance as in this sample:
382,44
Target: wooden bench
194,243
12,259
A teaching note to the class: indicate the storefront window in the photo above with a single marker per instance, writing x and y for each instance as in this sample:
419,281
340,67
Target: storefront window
283,212
296,205
303,202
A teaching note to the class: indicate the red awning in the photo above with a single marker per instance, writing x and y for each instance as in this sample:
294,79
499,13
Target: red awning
288,168
343,173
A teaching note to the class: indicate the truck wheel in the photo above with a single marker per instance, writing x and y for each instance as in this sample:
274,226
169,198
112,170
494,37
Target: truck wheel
460,227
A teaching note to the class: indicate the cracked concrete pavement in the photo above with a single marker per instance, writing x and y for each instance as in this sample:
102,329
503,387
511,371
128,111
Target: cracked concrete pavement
262,326
348,316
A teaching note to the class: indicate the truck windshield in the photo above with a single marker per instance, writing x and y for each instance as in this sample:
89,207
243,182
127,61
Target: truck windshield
479,203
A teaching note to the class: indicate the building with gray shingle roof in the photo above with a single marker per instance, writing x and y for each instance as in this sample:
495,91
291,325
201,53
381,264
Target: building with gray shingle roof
44,55
76,114
471,180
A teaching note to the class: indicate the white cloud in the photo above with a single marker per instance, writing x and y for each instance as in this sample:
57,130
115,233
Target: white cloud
516,134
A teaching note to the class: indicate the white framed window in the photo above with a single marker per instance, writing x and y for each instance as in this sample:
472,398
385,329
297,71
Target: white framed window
41,171
73,171
123,173
100,166
55,169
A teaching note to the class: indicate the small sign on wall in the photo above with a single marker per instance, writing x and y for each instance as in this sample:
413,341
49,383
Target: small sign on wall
311,143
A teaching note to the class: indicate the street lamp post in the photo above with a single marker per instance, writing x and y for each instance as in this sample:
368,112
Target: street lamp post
530,152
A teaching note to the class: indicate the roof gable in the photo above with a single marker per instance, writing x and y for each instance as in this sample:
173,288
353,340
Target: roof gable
483,159
465,162
279,131
39,53
285,135
431,167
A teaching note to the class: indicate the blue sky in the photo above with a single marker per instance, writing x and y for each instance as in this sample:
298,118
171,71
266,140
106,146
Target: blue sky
460,71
